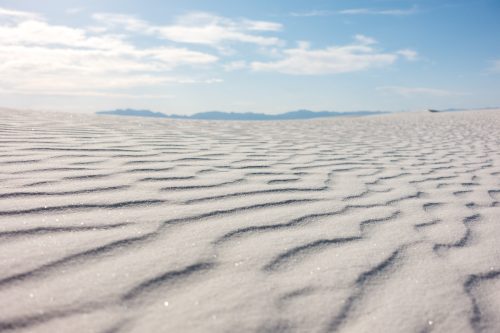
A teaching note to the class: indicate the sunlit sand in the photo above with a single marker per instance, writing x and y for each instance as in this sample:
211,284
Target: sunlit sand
387,223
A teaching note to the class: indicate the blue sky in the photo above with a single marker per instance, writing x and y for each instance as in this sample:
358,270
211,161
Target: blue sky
264,56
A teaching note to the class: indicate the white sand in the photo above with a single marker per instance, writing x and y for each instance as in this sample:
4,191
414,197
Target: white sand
379,224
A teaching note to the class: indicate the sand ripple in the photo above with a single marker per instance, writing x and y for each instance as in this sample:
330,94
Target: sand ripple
381,224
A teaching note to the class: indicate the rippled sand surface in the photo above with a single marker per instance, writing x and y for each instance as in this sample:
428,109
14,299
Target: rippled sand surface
378,224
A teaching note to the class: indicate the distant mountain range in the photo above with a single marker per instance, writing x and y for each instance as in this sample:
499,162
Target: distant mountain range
134,113
218,115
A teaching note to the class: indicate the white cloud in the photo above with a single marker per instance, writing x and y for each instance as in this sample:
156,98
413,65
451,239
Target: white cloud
33,32
127,22
74,10
496,65
199,28
17,15
331,60
357,11
41,58
370,11
251,25
365,39
408,54
312,13
203,28
235,65
37,57
87,94
207,81
417,91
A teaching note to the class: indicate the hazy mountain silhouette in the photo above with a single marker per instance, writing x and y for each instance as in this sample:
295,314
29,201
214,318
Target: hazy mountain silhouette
219,115
134,113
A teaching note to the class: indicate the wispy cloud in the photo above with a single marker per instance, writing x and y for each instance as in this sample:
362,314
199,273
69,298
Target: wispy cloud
408,54
362,39
313,13
235,65
36,57
87,94
199,28
371,11
418,91
127,22
358,11
496,66
17,15
354,57
74,10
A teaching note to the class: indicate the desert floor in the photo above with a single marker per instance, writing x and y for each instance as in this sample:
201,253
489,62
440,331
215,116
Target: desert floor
378,224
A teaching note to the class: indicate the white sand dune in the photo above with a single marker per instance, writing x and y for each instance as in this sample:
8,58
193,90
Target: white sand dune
380,224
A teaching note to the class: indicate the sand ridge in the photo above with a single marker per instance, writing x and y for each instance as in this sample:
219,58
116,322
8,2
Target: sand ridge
385,223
